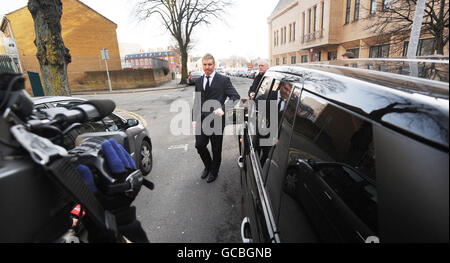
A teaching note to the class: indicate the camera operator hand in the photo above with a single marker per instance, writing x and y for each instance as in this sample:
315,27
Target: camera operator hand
116,197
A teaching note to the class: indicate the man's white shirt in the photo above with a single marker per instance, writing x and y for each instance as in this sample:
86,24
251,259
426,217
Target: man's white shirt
205,79
283,103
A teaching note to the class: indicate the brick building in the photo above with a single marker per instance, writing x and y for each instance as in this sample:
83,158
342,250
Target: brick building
154,60
319,30
85,32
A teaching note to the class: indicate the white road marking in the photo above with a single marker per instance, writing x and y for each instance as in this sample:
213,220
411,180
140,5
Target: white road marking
181,146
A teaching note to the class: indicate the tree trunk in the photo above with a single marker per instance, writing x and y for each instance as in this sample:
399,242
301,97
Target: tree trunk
52,54
439,48
184,69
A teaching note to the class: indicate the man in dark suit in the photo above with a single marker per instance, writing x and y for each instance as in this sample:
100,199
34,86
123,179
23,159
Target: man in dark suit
263,67
208,120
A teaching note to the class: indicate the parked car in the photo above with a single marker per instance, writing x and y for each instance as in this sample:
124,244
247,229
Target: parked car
193,76
253,73
220,70
132,135
242,73
361,154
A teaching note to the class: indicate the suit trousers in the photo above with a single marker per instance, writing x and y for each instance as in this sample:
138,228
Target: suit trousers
201,144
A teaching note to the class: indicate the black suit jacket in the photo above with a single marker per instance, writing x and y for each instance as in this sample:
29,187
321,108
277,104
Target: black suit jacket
220,88
255,83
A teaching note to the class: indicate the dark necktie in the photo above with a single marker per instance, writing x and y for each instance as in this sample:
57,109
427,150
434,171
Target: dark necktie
207,83
279,104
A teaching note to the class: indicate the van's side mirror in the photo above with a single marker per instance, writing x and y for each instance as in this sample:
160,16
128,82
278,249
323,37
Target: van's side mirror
132,122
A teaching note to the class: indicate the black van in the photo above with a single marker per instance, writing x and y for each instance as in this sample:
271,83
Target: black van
361,154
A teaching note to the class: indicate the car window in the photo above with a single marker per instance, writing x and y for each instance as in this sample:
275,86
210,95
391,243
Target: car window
356,192
278,156
40,106
88,127
113,122
332,179
264,85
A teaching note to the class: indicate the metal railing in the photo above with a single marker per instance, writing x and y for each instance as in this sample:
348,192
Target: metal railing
312,36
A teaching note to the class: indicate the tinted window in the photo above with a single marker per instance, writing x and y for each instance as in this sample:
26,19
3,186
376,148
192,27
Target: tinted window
265,84
356,192
279,153
336,187
338,135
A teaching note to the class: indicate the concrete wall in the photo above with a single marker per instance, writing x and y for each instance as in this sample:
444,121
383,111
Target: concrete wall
120,79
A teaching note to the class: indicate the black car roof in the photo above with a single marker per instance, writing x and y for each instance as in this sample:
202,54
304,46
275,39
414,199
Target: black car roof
415,106
432,78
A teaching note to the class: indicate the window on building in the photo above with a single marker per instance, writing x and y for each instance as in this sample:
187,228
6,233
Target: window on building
275,38
332,55
323,14
146,61
290,32
347,12
309,22
281,36
293,32
355,52
137,62
285,38
303,25
386,5
315,18
284,60
381,51
425,47
315,56
304,58
278,61
356,15
373,6
294,60
278,37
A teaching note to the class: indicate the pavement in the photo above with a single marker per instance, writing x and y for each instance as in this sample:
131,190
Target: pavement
172,84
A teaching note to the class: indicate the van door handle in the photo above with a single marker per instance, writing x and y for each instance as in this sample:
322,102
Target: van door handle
245,223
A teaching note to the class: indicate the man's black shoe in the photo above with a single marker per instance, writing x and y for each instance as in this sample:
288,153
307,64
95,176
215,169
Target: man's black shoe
211,178
205,173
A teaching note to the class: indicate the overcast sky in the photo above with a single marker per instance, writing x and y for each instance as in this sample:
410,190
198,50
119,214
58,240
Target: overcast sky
243,31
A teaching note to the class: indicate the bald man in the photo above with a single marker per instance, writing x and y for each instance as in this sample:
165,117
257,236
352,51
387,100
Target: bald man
263,67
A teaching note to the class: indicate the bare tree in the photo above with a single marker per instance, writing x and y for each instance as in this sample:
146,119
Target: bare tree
180,17
52,54
394,20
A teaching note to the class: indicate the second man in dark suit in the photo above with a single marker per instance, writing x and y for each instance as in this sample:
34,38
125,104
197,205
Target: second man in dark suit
263,67
208,120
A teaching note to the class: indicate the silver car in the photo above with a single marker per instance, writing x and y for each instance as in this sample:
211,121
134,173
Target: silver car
132,135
